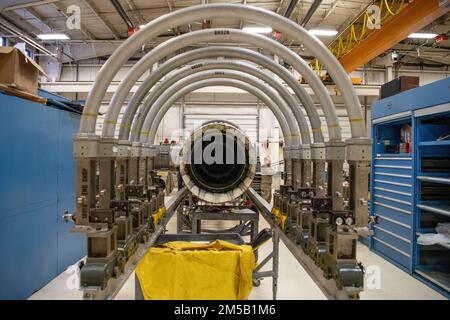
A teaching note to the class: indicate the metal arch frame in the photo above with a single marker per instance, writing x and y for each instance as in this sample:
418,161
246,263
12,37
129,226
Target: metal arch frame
229,65
212,35
155,115
292,157
154,28
90,150
228,52
164,102
208,82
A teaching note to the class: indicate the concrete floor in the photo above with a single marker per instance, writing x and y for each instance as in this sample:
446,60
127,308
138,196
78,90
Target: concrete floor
293,283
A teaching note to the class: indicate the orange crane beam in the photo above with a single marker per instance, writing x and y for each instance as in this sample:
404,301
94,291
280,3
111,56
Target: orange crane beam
412,18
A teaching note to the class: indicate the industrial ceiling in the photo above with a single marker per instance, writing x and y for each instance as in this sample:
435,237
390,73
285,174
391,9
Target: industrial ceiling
105,23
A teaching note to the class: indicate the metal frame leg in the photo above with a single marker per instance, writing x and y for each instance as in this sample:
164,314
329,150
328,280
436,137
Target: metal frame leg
276,253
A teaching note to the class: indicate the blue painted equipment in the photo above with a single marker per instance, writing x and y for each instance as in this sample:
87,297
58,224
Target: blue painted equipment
37,184
410,186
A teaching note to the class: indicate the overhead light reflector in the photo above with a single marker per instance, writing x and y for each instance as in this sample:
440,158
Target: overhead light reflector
53,36
422,35
323,32
257,29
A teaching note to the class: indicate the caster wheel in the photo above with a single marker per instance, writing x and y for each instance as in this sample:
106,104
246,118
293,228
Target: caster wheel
256,282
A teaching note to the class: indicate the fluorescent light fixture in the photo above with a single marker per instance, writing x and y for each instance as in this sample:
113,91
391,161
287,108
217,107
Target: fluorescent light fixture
422,35
323,32
257,29
53,36
141,26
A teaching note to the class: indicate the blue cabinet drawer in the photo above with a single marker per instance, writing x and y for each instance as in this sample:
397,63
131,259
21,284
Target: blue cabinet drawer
391,184
400,242
393,161
383,209
390,193
400,179
394,226
393,254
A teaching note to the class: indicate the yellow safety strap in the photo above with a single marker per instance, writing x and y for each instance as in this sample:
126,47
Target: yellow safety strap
85,114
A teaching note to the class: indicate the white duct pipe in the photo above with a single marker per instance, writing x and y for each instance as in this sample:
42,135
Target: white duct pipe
183,16
228,52
212,35
179,90
233,65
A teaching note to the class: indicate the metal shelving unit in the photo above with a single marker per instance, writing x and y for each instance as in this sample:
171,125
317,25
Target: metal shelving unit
410,191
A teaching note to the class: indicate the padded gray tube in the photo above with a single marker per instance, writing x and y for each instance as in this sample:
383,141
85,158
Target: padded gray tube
202,80
183,16
229,52
214,35
221,64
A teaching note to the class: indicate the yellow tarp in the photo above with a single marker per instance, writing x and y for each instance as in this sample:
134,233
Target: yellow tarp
187,271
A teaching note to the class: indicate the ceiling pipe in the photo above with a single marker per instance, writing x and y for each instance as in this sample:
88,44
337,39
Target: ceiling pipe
9,27
122,13
311,12
290,8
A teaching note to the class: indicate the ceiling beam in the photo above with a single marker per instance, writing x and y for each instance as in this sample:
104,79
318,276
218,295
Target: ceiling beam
22,35
40,18
123,14
425,53
312,10
280,6
412,18
330,11
326,14
351,18
27,5
96,12
135,12
290,8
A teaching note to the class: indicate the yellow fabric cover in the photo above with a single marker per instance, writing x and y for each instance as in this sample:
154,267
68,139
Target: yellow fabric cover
191,271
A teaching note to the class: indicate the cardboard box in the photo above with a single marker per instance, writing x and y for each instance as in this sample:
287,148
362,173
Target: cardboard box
19,71
398,85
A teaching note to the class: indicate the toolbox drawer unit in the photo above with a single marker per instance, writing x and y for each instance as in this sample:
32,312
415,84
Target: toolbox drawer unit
410,186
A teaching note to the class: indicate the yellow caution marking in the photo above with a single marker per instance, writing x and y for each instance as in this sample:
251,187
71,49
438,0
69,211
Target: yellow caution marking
85,114
159,215
357,120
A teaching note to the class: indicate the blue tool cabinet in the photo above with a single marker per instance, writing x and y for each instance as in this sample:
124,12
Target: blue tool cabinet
37,183
410,191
